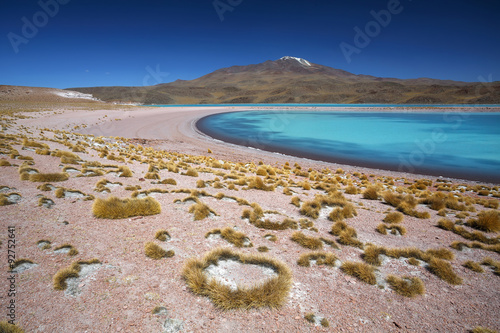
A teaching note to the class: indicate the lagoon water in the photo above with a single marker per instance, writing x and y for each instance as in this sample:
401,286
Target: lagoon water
462,145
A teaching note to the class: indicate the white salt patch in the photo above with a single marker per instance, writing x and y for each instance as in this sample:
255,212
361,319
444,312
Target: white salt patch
73,194
75,285
74,94
63,250
21,268
233,273
14,198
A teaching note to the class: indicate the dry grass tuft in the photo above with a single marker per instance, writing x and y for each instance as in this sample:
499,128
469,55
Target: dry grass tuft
169,181
236,238
475,235
6,327
162,235
124,171
493,264
271,237
263,249
59,279
201,211
393,217
272,293
488,221
407,286
311,209
307,242
321,258
444,271
360,270
480,329
49,177
394,229
72,250
473,266
190,172
156,252
4,162
296,201
371,193
116,208
348,237
258,184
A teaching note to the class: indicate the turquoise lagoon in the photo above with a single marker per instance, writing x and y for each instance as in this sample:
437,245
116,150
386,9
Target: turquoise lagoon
449,144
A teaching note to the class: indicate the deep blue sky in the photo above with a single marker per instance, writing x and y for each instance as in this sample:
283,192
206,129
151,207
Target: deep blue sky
100,43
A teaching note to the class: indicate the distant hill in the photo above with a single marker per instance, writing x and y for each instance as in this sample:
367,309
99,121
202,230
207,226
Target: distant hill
37,94
296,80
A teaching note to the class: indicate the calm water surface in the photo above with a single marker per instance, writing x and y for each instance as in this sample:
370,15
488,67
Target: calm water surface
464,145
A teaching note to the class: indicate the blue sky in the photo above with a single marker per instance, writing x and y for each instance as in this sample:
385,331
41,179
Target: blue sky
132,43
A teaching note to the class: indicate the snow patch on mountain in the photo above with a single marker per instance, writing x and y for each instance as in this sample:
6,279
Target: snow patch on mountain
300,60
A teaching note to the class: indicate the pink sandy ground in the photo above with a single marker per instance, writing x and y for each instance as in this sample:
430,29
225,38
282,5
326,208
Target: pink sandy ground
120,295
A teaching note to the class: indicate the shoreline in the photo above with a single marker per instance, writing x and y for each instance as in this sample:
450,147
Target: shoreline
268,146
174,129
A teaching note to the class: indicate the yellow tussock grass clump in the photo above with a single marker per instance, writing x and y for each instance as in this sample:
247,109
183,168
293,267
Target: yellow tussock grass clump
59,279
493,264
152,175
307,242
351,189
124,171
116,208
394,229
154,251
201,211
444,271
272,293
236,238
488,221
475,235
6,327
406,286
481,329
162,235
271,237
320,257
168,181
371,193
393,217
191,172
258,184
311,209
49,177
360,270
4,162
72,250
473,266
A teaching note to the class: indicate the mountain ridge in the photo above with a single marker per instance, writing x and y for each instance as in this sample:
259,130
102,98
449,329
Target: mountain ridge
297,80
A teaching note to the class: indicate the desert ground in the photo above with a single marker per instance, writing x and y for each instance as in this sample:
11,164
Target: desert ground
126,219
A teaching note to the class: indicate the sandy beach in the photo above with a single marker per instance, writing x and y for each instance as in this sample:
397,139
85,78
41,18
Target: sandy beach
340,209
174,129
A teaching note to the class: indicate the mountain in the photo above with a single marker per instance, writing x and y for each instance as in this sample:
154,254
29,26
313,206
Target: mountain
296,80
